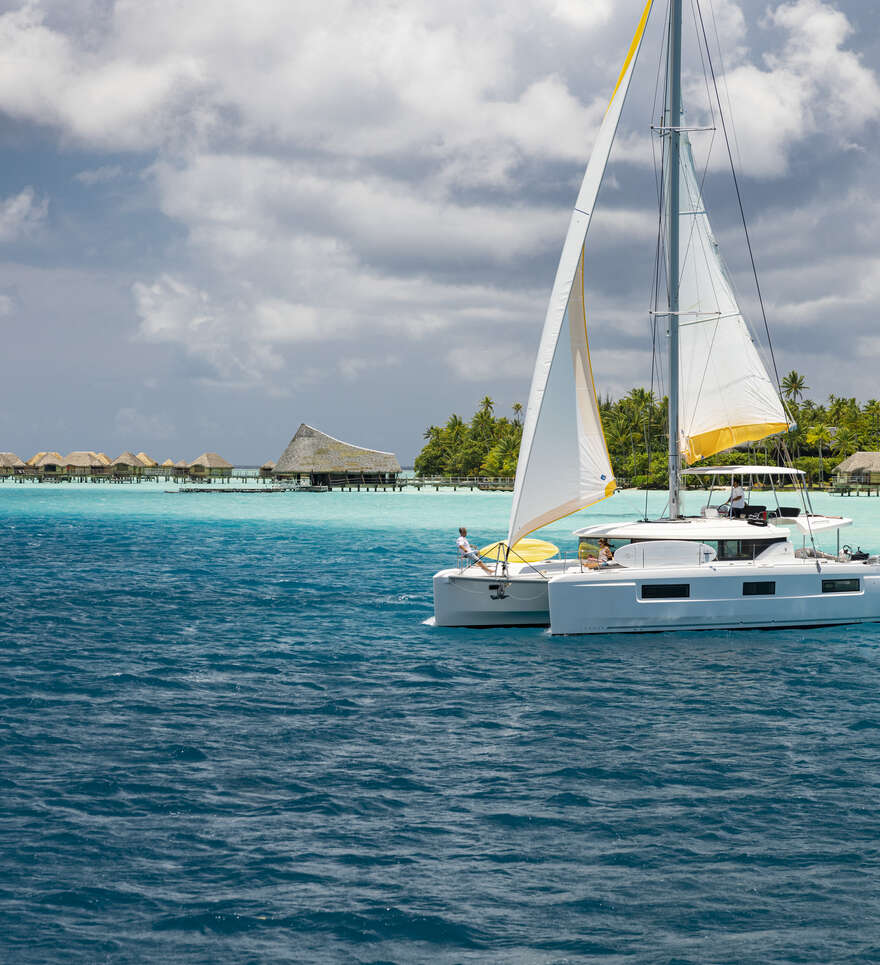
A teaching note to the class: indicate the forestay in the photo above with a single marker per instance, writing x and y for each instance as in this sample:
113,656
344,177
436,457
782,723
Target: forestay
725,394
563,462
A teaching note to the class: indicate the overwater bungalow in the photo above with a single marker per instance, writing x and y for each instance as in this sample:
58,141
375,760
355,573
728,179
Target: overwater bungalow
859,469
127,464
267,468
46,462
210,464
11,465
83,463
315,458
146,461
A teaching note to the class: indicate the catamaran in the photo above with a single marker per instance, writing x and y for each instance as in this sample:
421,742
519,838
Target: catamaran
724,568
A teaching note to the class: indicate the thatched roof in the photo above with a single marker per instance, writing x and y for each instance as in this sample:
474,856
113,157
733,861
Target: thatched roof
313,451
181,464
46,459
128,459
82,459
860,462
35,458
210,460
9,460
168,464
145,460
105,459
268,465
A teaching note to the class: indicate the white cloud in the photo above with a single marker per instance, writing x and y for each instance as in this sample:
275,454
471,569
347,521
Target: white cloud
810,84
352,368
346,169
107,172
581,15
479,360
21,215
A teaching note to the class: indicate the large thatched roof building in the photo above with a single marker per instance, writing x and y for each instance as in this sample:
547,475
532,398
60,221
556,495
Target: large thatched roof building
859,468
326,461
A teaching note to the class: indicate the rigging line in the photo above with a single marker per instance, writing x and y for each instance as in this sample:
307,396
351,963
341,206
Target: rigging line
741,208
703,65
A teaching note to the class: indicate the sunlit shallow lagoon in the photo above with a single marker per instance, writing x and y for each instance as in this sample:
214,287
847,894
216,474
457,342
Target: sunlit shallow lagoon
228,736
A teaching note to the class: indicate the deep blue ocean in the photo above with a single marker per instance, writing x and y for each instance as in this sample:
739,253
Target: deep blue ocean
227,737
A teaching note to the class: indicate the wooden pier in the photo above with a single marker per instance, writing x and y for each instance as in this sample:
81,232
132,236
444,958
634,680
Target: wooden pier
857,489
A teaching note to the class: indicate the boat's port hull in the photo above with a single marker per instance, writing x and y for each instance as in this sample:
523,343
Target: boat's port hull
470,600
615,601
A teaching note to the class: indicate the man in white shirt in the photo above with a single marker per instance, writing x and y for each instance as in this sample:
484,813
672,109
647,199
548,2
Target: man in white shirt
467,552
737,500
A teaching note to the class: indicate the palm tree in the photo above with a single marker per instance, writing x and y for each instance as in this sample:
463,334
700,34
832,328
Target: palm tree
487,405
517,412
819,435
794,385
845,443
871,415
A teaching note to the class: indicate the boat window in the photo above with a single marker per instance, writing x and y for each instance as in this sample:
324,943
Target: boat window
841,586
589,545
744,549
665,591
759,588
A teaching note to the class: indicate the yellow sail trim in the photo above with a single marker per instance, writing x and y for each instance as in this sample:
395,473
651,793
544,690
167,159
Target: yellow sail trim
633,47
708,443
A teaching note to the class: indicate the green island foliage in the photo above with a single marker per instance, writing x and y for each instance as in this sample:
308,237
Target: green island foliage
635,430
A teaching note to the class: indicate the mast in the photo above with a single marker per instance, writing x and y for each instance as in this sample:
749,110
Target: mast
673,126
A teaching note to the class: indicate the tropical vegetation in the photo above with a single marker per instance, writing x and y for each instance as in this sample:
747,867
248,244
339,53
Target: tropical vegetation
635,430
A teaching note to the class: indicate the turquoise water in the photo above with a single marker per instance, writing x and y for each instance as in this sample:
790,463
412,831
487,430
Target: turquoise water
227,736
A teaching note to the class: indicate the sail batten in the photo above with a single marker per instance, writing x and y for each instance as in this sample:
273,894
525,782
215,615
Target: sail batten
564,464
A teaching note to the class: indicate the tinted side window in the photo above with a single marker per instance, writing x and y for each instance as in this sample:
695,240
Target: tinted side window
759,588
665,591
841,586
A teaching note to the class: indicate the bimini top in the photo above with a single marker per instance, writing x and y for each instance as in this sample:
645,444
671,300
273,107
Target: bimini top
687,528
742,471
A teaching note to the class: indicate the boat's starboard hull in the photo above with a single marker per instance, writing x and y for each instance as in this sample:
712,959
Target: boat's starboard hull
794,594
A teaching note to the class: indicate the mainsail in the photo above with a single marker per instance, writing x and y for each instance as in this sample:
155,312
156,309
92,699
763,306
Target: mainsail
725,394
563,460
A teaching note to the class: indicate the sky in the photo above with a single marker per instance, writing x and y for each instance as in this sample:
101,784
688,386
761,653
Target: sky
218,221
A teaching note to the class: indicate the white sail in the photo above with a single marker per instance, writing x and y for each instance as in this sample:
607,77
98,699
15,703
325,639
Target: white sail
563,460
725,394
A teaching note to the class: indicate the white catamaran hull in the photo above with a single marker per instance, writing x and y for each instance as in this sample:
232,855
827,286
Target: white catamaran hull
715,596
471,598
